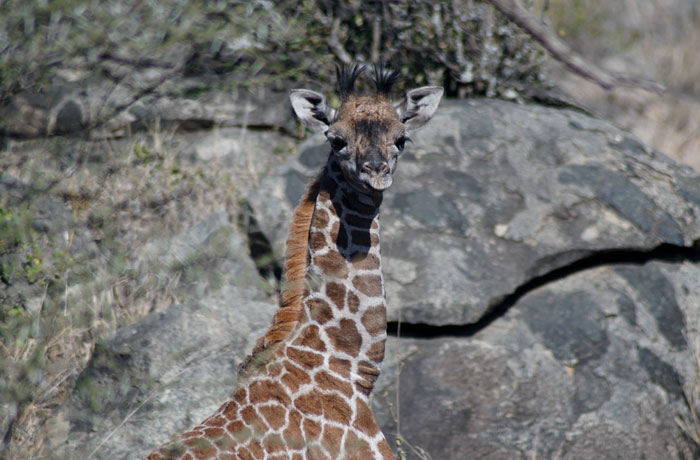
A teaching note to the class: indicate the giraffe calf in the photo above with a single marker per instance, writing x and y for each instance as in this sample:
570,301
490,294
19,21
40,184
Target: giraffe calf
303,394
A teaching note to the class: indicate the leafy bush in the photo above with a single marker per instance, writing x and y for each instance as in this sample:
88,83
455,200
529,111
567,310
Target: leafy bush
466,46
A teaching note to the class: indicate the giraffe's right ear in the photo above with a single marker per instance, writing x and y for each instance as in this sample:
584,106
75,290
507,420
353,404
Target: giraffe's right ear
312,109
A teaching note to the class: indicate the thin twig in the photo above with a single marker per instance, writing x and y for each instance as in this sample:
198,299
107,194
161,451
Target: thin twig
376,34
335,45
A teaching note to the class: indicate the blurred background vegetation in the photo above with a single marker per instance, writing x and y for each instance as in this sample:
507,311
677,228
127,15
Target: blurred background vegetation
463,45
74,215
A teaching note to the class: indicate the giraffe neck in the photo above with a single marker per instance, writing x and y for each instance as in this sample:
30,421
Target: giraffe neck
344,320
333,314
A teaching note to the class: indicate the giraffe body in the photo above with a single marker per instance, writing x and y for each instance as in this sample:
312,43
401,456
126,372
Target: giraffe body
304,392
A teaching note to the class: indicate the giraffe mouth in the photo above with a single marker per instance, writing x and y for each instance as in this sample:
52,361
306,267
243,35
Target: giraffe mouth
380,182
372,183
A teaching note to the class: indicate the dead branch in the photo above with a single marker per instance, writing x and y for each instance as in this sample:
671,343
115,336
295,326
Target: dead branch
336,46
562,52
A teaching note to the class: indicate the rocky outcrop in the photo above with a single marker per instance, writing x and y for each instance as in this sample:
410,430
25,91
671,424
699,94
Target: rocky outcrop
542,267
494,194
589,366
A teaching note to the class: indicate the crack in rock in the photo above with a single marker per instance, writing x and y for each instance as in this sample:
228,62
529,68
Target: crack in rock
664,252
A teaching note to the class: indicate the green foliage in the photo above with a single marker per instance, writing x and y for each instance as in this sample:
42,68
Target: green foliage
467,45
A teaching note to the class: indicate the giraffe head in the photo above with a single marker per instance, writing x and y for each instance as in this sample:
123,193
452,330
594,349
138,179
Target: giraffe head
367,134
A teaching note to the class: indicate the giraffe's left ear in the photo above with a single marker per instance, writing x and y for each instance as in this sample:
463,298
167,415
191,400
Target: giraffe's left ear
312,109
418,106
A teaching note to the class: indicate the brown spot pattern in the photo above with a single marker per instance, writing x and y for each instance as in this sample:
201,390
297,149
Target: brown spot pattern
213,433
218,420
331,440
273,442
320,219
385,450
356,448
312,430
335,228
374,320
230,410
369,285
201,448
353,302
340,366
268,390
364,261
345,337
294,377
274,369
309,337
364,420
274,415
292,434
335,408
376,352
244,454
326,381
336,292
332,264
240,396
307,359
253,420
309,403
319,310
317,241
315,453
239,431
256,448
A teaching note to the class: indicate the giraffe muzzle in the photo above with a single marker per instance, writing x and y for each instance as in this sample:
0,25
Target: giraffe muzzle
375,168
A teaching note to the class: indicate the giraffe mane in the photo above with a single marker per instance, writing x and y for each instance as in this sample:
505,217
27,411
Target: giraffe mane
346,78
384,80
290,312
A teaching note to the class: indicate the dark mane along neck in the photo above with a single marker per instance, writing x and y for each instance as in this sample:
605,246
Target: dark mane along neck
289,313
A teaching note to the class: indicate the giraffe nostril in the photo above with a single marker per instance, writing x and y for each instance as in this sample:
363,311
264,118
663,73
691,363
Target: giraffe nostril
375,167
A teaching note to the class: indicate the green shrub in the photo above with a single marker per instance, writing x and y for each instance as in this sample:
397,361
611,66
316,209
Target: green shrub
466,46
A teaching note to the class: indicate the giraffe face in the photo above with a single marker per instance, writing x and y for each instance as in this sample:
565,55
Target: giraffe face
367,134
367,138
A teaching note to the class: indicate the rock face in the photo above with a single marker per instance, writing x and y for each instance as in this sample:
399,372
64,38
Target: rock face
166,373
493,194
590,366
545,268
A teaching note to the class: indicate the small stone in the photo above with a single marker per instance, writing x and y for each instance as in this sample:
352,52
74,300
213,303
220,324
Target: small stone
500,230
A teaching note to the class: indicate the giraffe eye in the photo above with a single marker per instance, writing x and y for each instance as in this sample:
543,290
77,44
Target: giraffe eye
401,142
337,143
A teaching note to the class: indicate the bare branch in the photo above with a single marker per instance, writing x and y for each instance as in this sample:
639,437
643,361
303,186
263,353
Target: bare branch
335,45
376,37
516,12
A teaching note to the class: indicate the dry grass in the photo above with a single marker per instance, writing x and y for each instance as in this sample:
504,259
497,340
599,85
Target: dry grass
657,39
125,193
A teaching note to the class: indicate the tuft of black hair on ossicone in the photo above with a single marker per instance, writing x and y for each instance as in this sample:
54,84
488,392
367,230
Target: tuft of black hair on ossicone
346,78
384,79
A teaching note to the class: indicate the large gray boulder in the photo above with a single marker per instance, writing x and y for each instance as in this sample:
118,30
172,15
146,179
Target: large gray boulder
594,365
167,372
543,264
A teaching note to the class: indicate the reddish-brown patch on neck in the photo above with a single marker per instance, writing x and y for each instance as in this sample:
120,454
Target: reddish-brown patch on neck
291,310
